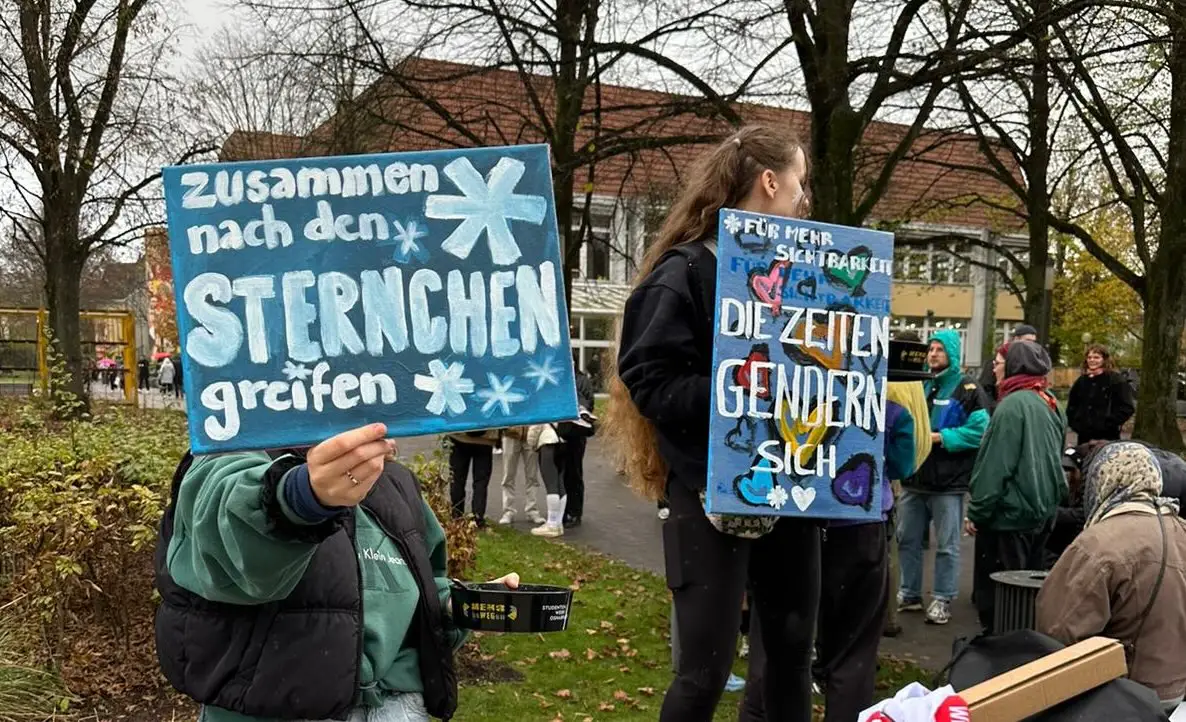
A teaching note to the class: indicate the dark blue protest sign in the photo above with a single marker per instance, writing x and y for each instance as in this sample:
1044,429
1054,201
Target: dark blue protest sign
799,368
421,290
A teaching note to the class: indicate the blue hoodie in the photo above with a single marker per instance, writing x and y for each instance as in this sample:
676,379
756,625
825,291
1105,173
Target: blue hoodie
959,414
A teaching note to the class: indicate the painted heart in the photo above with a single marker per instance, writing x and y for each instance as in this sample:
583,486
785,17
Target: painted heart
760,353
852,277
807,288
741,437
802,496
804,438
752,242
856,481
754,485
767,287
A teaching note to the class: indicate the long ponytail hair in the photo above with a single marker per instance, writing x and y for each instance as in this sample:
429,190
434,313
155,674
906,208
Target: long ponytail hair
721,178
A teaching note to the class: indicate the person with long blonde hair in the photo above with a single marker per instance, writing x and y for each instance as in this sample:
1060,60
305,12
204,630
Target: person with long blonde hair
659,413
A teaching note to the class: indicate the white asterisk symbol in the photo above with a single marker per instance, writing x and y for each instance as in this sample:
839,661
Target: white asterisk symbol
295,372
542,374
732,223
405,239
487,205
446,386
777,497
500,394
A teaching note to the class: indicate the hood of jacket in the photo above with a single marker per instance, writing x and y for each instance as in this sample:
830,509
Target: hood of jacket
1026,358
949,378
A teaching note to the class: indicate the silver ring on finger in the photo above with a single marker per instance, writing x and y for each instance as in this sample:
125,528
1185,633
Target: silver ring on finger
353,479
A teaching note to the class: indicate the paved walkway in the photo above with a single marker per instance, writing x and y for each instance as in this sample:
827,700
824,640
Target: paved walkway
623,525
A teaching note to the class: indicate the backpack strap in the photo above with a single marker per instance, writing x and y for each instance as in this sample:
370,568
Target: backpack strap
704,278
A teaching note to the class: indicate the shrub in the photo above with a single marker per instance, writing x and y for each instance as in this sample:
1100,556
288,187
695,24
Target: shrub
26,694
434,475
80,506
80,502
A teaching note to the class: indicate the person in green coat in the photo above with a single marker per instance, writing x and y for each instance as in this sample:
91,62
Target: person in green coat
306,585
1017,481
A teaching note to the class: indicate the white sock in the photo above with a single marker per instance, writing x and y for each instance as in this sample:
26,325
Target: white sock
563,507
555,510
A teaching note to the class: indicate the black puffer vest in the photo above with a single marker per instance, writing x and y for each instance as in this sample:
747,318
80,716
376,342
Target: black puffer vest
299,658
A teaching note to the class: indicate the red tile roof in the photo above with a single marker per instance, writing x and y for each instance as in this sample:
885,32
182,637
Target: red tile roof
487,106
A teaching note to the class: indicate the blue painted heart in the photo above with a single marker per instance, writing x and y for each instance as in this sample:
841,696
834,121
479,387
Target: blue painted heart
753,486
853,273
856,481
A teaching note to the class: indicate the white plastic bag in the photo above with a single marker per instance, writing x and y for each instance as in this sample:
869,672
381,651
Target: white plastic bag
916,703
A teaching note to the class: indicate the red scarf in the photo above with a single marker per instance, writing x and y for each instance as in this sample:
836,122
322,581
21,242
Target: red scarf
1027,382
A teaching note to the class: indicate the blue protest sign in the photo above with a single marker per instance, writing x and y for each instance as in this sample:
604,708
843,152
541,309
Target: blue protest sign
421,290
799,368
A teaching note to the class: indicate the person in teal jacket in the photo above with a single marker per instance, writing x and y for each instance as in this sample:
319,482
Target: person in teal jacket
959,415
1018,479
294,587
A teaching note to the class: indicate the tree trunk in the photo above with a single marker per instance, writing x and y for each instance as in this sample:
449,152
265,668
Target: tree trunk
570,241
832,169
1165,297
1165,311
63,281
1037,301
574,19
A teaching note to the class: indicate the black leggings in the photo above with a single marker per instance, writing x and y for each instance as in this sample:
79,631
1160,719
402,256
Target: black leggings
853,601
551,466
708,573
481,457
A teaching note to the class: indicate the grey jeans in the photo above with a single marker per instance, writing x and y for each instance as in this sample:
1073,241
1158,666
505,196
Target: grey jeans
401,708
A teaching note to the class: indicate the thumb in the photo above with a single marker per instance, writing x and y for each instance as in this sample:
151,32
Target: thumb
510,581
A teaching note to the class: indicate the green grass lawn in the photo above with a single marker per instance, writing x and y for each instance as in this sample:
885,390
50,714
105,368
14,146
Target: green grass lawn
614,661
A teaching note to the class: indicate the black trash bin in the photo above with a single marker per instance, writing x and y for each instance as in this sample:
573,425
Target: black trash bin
1016,599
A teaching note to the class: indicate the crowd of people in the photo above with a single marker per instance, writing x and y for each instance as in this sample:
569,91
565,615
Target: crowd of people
310,583
988,461
552,452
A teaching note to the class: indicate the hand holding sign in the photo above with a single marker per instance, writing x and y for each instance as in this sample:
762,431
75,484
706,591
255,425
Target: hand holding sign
343,469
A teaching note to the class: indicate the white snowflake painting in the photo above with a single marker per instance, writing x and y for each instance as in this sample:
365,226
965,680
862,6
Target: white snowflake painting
488,205
543,374
500,395
447,387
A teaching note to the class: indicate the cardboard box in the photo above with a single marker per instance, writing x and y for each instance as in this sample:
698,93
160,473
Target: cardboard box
1046,682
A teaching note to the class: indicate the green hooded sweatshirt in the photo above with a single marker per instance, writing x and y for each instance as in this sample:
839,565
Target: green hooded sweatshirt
958,410
223,551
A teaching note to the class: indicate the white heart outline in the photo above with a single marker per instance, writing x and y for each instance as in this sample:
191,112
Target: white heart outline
802,496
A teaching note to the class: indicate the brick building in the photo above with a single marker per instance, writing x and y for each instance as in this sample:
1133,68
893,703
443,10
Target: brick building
927,195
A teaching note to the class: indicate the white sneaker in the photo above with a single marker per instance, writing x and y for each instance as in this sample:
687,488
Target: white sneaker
664,513
939,612
548,530
507,518
535,517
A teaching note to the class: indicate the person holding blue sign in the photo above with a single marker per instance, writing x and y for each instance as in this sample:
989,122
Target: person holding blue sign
306,586
660,410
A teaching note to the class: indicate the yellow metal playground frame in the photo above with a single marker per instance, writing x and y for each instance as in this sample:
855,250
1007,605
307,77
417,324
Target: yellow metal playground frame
127,330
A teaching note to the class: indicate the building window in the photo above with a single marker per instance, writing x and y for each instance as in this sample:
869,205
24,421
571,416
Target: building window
592,340
924,326
933,264
597,240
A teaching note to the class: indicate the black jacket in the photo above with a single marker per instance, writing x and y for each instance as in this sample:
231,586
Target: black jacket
665,357
1098,406
586,395
270,660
